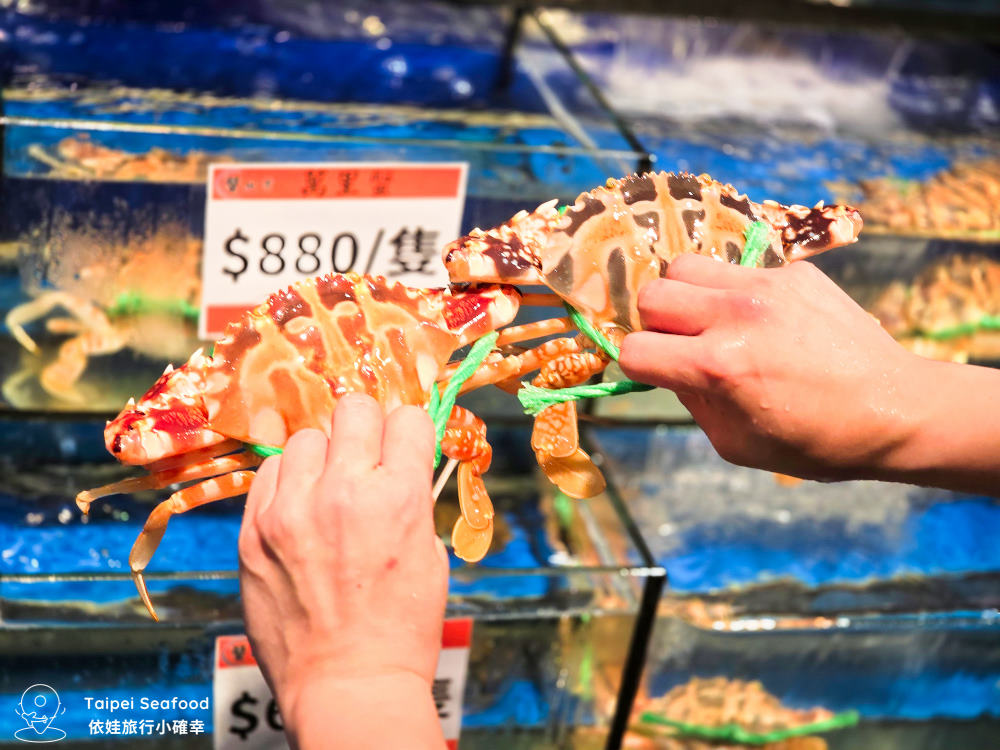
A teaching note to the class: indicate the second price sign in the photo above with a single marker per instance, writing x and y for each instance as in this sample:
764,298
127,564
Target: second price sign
268,226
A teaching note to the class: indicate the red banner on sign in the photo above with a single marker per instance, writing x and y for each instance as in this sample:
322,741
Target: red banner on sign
219,316
234,651
295,182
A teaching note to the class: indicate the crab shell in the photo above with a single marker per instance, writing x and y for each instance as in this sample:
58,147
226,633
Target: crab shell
612,240
282,366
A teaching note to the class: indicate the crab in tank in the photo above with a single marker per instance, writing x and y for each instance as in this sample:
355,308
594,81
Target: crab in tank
108,294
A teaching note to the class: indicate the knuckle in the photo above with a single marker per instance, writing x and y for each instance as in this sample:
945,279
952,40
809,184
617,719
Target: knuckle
726,364
249,550
279,528
748,307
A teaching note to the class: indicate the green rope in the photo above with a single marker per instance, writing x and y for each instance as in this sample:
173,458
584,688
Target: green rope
439,404
135,303
265,450
986,323
736,733
535,399
592,333
755,243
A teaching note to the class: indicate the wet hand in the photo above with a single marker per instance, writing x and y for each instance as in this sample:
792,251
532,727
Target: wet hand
343,578
780,367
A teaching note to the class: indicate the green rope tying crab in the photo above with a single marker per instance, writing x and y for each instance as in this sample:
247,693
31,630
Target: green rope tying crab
135,303
441,404
737,734
535,399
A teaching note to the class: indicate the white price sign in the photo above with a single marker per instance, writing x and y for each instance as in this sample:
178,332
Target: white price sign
246,715
270,225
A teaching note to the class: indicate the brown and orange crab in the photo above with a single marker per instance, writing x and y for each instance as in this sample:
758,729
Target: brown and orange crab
281,368
597,253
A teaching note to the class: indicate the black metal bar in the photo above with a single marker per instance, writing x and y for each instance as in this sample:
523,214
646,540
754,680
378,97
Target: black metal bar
645,620
635,661
644,159
511,38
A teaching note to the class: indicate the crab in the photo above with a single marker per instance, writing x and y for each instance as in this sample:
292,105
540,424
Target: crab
951,310
961,200
78,157
717,702
596,255
281,368
140,296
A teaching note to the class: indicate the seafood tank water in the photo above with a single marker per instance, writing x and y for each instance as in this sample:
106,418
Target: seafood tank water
874,601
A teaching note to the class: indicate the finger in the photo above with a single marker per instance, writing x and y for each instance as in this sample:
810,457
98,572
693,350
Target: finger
678,307
408,445
302,464
705,271
356,439
665,360
263,489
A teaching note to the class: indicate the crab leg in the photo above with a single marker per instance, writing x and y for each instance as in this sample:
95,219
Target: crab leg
555,437
216,488
465,439
536,330
37,308
160,479
195,456
515,334
541,299
517,365
59,377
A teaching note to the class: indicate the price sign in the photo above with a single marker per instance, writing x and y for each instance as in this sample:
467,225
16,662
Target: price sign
246,715
270,225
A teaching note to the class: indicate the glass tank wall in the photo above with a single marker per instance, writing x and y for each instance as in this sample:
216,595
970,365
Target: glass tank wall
807,601
554,602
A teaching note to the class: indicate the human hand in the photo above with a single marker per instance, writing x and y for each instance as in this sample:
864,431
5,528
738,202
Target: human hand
343,577
780,367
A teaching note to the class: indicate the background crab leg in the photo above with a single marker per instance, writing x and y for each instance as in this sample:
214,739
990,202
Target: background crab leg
59,377
157,480
216,488
465,439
